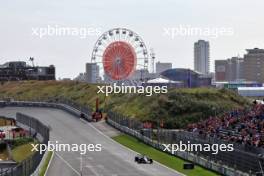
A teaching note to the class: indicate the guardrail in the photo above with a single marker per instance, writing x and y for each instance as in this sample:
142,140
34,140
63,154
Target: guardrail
124,124
29,165
69,107
222,163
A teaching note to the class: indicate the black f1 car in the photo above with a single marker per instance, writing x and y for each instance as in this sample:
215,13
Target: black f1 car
143,159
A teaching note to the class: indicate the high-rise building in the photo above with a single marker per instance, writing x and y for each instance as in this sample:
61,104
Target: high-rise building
220,70
201,57
249,68
236,68
229,70
254,65
161,66
92,72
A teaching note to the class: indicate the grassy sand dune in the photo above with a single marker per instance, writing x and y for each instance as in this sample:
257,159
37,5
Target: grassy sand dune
178,107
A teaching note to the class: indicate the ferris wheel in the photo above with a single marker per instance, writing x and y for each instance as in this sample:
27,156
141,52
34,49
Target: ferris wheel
118,53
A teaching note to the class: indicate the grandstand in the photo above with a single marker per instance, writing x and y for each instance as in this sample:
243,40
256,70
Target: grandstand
240,126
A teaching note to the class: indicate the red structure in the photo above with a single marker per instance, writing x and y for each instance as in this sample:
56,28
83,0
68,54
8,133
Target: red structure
119,60
97,115
117,53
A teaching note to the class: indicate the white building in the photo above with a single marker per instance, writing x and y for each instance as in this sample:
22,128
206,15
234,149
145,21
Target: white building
251,91
163,82
161,66
201,57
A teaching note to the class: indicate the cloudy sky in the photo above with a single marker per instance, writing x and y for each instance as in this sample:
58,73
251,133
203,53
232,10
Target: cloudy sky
154,20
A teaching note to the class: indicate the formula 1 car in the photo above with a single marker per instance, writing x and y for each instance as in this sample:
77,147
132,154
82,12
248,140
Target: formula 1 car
143,159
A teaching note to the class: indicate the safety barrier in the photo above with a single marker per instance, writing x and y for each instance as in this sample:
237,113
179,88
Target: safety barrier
29,165
67,106
236,163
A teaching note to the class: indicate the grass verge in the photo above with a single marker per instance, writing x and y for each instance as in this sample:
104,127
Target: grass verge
45,165
22,152
161,157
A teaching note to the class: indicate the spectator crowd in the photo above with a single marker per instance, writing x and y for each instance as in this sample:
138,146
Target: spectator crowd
240,126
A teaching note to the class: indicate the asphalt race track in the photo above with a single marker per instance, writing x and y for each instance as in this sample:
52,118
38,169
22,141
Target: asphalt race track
113,160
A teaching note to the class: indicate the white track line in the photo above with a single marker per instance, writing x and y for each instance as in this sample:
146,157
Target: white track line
129,148
68,164
52,155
